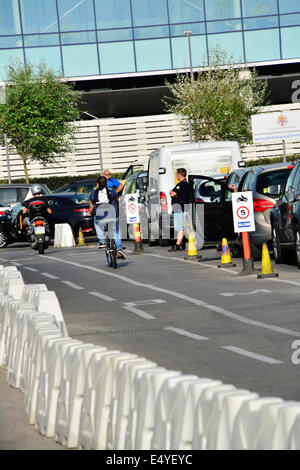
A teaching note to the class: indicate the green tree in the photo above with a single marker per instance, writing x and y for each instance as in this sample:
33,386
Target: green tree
218,100
38,114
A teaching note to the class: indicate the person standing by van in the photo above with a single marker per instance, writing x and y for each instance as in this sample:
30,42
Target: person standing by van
179,197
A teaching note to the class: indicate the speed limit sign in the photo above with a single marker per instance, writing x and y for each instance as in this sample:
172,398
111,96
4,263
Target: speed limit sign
243,212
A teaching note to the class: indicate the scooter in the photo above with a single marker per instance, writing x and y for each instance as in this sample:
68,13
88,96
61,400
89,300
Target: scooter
39,234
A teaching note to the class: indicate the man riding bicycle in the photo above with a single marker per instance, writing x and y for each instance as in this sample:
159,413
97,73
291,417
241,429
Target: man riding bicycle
104,207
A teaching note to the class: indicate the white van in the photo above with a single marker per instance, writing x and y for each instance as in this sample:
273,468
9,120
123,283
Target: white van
201,158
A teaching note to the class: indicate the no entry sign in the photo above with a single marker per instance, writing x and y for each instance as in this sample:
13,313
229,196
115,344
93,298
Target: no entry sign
243,212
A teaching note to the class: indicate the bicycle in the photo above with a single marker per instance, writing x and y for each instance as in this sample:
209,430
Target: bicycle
111,252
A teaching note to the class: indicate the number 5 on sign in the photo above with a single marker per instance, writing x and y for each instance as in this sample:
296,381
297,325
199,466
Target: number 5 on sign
243,212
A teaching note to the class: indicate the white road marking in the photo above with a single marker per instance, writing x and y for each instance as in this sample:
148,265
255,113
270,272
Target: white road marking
102,296
15,264
31,269
183,297
258,291
50,276
179,331
144,302
139,312
71,284
258,357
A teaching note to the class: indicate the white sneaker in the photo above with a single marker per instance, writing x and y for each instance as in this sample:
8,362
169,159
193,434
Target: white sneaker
121,254
101,245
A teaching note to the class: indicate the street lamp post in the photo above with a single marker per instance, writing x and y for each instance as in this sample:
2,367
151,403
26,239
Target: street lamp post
188,35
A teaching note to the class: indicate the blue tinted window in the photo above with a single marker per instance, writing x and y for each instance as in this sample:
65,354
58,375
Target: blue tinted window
76,15
261,23
290,38
80,60
289,6
185,11
290,20
10,41
78,38
113,13
39,16
262,45
49,55
9,17
116,57
195,28
114,35
259,8
8,57
149,12
151,32
153,54
232,43
41,40
222,26
180,52
218,10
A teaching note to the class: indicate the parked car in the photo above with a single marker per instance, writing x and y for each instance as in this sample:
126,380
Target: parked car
136,183
285,219
266,183
72,209
12,194
81,186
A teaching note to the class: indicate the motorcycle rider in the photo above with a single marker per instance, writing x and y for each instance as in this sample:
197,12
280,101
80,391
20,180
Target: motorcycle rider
36,206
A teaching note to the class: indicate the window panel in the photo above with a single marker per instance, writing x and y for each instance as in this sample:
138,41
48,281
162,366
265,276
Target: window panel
290,38
222,26
259,8
180,52
261,23
76,15
9,17
289,6
183,11
218,10
41,40
8,56
149,12
7,42
50,55
114,35
232,43
262,45
153,54
78,38
116,57
80,60
195,28
113,14
39,17
152,32
290,20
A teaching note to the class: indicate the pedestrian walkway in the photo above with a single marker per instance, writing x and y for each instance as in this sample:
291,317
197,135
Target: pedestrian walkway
15,431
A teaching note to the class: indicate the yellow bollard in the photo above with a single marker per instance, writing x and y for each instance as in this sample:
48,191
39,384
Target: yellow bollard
266,264
226,261
80,237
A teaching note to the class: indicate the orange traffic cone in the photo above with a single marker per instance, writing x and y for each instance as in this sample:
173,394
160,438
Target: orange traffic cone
266,264
226,261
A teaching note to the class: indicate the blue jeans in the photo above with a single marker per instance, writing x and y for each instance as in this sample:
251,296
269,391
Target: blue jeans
100,225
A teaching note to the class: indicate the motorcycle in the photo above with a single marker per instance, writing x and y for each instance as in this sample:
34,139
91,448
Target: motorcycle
39,234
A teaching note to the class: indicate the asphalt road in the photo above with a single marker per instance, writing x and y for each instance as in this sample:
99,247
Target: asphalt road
184,315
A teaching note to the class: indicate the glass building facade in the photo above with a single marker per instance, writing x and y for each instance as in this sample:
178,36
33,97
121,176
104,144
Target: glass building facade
82,38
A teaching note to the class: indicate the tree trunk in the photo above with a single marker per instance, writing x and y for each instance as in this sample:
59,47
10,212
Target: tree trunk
25,167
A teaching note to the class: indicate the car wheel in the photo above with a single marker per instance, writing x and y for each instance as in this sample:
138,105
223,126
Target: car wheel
236,250
256,252
277,250
3,239
297,246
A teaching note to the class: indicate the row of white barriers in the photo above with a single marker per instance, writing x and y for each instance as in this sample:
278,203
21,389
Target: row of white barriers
89,397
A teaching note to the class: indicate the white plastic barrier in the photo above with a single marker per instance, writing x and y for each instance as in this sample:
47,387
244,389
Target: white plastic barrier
91,398
63,236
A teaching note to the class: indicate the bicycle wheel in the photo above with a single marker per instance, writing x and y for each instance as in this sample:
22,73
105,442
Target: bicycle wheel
114,255
108,253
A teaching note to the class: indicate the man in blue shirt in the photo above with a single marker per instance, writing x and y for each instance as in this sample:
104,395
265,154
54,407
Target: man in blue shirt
113,183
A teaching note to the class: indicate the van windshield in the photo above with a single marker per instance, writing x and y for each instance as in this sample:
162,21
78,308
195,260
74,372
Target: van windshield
273,182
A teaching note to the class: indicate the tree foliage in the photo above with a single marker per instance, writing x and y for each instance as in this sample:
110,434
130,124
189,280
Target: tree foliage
219,100
38,114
